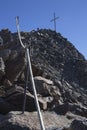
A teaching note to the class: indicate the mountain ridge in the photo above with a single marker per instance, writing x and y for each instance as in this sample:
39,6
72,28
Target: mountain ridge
59,70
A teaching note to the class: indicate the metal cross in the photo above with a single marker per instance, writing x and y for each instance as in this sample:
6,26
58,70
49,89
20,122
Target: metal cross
54,19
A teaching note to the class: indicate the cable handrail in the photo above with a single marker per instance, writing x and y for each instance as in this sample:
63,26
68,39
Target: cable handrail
18,30
32,79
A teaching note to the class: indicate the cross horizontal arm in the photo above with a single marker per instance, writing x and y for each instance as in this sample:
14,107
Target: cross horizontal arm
54,19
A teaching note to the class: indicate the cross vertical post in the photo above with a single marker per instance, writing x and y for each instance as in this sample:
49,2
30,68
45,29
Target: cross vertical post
54,20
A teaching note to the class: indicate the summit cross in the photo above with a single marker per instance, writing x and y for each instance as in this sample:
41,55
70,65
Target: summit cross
54,20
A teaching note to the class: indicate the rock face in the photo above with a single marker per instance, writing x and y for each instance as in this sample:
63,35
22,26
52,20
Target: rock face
59,69
2,68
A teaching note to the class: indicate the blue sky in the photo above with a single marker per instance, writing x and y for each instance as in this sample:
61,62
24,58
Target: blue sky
72,22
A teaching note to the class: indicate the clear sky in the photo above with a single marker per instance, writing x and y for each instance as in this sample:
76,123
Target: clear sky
33,14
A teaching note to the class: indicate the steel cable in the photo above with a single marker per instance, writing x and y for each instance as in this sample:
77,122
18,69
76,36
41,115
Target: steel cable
32,79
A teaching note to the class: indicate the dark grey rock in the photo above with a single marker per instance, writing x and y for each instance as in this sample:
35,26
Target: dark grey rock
53,128
6,35
5,53
74,108
79,125
6,107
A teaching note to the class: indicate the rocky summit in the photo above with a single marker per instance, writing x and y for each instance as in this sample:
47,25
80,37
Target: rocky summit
60,75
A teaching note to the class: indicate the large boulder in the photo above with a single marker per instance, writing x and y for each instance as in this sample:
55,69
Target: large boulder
14,65
29,121
15,97
46,87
